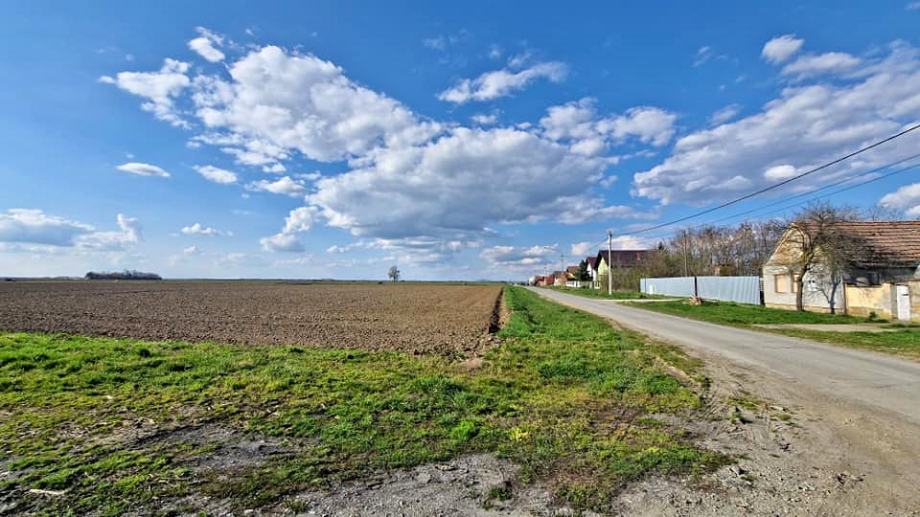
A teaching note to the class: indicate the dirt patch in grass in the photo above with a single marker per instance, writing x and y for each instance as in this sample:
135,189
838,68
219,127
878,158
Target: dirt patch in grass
416,318
225,428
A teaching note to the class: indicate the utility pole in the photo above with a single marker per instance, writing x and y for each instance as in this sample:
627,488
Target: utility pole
609,263
685,241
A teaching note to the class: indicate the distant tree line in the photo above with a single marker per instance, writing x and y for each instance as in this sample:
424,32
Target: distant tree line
127,274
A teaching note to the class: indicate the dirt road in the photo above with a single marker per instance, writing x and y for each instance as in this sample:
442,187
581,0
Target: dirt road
854,444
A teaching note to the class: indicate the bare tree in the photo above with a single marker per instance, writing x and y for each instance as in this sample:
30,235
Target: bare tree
393,273
737,250
882,213
819,246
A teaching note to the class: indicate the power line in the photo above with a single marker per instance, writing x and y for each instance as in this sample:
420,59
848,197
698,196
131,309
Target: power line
779,184
790,180
825,187
812,198
844,189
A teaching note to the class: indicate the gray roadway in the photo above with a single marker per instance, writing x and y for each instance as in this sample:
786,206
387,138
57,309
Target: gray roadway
861,377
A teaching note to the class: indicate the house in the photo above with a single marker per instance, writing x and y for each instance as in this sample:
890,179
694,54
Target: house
881,274
559,278
574,278
625,259
592,270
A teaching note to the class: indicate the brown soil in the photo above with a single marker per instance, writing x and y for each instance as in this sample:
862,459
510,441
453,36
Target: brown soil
418,318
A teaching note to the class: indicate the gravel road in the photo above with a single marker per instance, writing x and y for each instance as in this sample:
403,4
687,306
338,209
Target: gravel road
854,445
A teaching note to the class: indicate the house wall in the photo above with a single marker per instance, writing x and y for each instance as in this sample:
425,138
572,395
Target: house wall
864,300
914,300
601,270
854,300
812,299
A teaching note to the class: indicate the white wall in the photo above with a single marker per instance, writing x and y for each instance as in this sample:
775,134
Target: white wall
813,298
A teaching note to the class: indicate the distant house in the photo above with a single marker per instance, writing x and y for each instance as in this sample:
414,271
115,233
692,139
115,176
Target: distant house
883,278
620,259
574,278
559,278
592,270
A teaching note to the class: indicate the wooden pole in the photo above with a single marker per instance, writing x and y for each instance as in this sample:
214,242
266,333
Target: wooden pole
609,263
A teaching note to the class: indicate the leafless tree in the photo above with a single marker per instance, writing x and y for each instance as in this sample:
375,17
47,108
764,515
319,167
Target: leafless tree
882,213
393,273
818,245
735,250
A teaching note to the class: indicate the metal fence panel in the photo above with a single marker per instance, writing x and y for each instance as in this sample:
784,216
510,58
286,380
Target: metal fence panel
677,286
740,289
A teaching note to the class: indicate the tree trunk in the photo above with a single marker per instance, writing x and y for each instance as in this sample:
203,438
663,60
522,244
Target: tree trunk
799,292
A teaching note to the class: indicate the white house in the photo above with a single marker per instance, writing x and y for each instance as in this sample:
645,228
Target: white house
882,278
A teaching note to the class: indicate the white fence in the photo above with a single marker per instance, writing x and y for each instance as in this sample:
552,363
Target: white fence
741,289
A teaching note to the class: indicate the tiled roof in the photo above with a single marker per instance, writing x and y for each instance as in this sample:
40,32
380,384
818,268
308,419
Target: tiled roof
888,242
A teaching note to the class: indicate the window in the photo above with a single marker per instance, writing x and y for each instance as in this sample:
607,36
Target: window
795,283
781,283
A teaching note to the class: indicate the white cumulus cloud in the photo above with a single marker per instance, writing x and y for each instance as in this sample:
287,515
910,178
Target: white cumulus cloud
142,169
457,185
781,48
580,249
160,89
806,125
284,185
216,175
34,226
827,63
298,220
276,102
725,114
779,172
499,83
405,176
590,134
206,45
200,229
129,233
906,198
524,258
27,225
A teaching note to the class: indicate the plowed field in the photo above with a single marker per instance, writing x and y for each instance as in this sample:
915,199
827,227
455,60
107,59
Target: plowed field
418,318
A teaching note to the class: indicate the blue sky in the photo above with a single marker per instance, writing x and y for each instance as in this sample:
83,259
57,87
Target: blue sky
461,141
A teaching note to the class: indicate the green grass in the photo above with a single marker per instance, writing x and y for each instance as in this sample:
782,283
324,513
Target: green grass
602,293
737,314
565,396
904,342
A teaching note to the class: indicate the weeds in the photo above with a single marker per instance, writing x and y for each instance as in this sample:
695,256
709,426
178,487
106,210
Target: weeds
564,396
